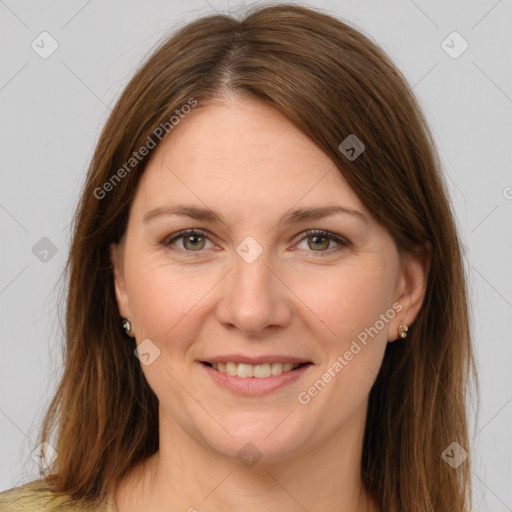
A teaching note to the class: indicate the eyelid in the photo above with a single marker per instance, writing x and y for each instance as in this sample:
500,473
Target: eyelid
341,241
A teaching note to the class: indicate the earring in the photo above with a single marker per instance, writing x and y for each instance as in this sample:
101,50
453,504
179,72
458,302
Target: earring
402,330
127,325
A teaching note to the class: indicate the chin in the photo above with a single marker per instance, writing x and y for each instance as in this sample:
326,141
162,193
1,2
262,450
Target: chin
263,443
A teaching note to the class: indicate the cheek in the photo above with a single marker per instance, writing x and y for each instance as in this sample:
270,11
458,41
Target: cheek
166,302
350,323
348,300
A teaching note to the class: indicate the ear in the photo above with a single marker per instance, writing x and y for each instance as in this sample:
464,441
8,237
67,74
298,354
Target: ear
116,258
411,288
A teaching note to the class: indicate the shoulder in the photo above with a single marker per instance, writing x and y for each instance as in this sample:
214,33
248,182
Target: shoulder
37,496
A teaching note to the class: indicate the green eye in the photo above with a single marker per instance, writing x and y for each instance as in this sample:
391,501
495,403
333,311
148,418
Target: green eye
318,241
192,240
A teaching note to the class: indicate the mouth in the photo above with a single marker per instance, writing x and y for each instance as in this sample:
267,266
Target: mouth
256,371
253,375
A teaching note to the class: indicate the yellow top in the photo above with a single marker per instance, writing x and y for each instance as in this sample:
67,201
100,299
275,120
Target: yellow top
36,496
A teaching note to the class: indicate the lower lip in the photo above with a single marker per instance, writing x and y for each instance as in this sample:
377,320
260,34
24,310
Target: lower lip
252,385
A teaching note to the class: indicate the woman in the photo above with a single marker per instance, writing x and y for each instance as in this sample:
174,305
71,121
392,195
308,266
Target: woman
267,305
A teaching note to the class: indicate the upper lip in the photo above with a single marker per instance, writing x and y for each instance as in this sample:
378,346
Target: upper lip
254,360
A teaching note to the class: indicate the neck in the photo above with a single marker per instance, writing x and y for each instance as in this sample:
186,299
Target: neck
187,475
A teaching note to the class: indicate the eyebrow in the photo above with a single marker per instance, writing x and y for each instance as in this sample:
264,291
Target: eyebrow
291,217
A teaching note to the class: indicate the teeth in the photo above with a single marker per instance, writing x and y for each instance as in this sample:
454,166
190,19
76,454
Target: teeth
245,370
262,370
277,368
258,371
231,369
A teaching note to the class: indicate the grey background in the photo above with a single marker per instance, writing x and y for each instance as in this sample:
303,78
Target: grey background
52,111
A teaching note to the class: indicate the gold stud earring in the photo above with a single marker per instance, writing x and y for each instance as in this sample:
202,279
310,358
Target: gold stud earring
402,330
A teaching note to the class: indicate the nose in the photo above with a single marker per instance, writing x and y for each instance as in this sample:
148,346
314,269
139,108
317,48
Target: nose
254,298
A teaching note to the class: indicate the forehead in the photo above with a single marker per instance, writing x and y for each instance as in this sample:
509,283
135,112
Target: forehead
242,155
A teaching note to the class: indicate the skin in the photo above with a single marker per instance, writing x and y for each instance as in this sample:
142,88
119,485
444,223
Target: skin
302,297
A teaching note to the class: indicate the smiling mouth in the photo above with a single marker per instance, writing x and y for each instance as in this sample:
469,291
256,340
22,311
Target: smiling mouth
258,371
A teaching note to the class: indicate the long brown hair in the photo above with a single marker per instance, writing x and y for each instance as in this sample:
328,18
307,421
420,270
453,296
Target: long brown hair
331,81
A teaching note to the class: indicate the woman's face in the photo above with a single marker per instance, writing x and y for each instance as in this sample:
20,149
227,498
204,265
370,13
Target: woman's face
255,288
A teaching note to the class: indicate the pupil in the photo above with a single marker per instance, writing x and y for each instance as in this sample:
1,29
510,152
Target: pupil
320,245
194,240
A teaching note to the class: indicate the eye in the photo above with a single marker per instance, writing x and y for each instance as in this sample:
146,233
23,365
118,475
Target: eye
193,240
319,240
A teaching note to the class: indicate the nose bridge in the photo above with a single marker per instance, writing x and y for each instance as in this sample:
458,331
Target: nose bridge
254,297
252,277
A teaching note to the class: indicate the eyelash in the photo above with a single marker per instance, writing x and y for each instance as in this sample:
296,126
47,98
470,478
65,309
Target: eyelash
343,243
